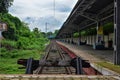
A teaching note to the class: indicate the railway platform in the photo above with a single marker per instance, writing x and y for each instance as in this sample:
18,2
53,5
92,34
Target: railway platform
92,56
88,53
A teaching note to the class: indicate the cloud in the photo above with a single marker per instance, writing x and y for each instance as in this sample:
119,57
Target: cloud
52,23
37,12
63,8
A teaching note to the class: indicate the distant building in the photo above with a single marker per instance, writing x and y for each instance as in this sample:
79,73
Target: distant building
3,27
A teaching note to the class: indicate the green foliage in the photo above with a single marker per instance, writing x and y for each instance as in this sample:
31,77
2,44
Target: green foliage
37,33
56,32
51,35
10,58
83,33
76,34
20,33
24,30
11,67
19,53
110,66
3,49
91,31
108,28
11,32
4,5
31,43
8,44
19,42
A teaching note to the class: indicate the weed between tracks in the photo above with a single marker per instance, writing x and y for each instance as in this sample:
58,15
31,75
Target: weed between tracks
8,60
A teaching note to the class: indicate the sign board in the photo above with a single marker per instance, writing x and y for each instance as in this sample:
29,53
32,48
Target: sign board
100,30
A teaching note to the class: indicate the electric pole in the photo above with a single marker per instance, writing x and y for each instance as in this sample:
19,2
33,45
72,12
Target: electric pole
46,28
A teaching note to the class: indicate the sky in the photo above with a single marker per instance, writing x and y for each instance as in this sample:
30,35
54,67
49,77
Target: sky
39,12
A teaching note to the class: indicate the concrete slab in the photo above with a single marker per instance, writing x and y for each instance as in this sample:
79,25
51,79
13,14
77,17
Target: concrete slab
57,77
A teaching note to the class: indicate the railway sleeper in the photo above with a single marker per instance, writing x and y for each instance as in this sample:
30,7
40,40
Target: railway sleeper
54,63
84,63
77,63
25,62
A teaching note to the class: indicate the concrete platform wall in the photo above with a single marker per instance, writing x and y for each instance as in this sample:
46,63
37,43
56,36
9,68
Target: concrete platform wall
91,39
106,40
83,38
76,40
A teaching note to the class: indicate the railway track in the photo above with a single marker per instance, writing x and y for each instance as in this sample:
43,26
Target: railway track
55,61
58,60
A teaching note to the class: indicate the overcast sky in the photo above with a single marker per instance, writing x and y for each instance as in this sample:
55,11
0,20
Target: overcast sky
39,12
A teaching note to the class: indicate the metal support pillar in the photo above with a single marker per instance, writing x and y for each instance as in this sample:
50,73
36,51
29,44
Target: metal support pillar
99,41
65,38
99,33
62,38
72,38
69,36
117,32
79,39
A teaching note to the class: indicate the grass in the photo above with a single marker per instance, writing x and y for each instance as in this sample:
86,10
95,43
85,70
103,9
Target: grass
8,60
9,66
110,66
11,51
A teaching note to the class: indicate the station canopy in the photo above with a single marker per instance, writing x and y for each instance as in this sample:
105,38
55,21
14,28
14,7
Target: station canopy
87,13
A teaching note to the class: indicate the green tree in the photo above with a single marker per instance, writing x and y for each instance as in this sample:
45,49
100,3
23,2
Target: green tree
43,34
49,33
11,31
37,32
56,32
4,5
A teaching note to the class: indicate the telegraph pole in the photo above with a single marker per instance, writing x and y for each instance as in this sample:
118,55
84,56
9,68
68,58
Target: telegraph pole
46,28
54,7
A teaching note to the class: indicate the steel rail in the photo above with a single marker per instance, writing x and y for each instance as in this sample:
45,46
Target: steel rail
63,57
47,54
39,70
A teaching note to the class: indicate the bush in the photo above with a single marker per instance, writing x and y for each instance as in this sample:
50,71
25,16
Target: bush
31,43
108,28
3,50
8,44
76,34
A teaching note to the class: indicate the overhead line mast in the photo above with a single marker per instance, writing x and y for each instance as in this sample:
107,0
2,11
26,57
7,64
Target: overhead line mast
54,8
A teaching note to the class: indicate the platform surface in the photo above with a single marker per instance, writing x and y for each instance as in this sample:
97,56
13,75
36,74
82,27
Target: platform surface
88,53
